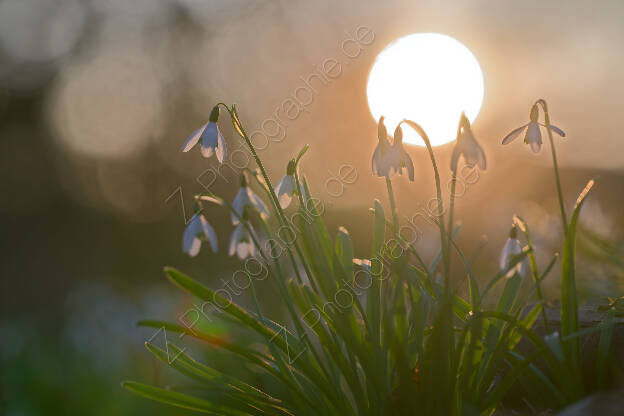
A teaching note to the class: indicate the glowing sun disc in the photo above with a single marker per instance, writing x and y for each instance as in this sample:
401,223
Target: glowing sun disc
429,78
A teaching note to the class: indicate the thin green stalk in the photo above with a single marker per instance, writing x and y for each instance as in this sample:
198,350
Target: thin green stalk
302,206
451,211
276,205
283,292
443,358
395,215
443,237
555,165
525,229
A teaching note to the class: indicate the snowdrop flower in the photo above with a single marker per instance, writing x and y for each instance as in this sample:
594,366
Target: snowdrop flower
379,165
467,146
211,139
286,187
241,242
512,247
247,198
390,159
197,230
533,136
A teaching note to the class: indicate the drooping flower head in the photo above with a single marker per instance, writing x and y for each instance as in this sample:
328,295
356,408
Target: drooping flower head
405,161
196,231
467,146
390,159
533,136
209,136
246,198
287,186
512,248
241,242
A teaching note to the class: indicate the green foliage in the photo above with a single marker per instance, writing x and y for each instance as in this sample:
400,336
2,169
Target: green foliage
407,342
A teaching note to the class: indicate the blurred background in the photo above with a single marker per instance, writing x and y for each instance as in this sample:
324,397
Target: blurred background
97,97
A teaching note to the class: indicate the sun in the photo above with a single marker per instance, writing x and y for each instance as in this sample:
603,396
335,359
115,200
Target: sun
429,78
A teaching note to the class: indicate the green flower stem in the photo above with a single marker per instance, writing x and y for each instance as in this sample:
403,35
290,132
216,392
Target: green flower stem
443,237
303,206
283,292
555,165
444,357
290,253
395,215
300,330
253,237
276,205
451,210
534,271
281,281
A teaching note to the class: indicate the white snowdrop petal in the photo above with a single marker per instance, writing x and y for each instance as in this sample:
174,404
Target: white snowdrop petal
210,136
221,149
284,200
238,205
206,151
481,159
210,234
258,203
505,255
195,246
280,185
557,130
409,165
234,238
534,137
375,161
284,191
513,135
242,250
190,234
554,129
193,139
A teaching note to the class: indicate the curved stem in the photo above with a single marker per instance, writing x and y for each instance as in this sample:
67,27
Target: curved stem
303,207
444,357
555,165
269,187
443,237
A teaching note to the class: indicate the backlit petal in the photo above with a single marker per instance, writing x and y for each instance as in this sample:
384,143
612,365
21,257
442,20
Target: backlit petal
209,234
241,200
221,149
192,230
284,190
409,165
193,139
513,135
234,239
534,137
258,203
555,129
206,149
